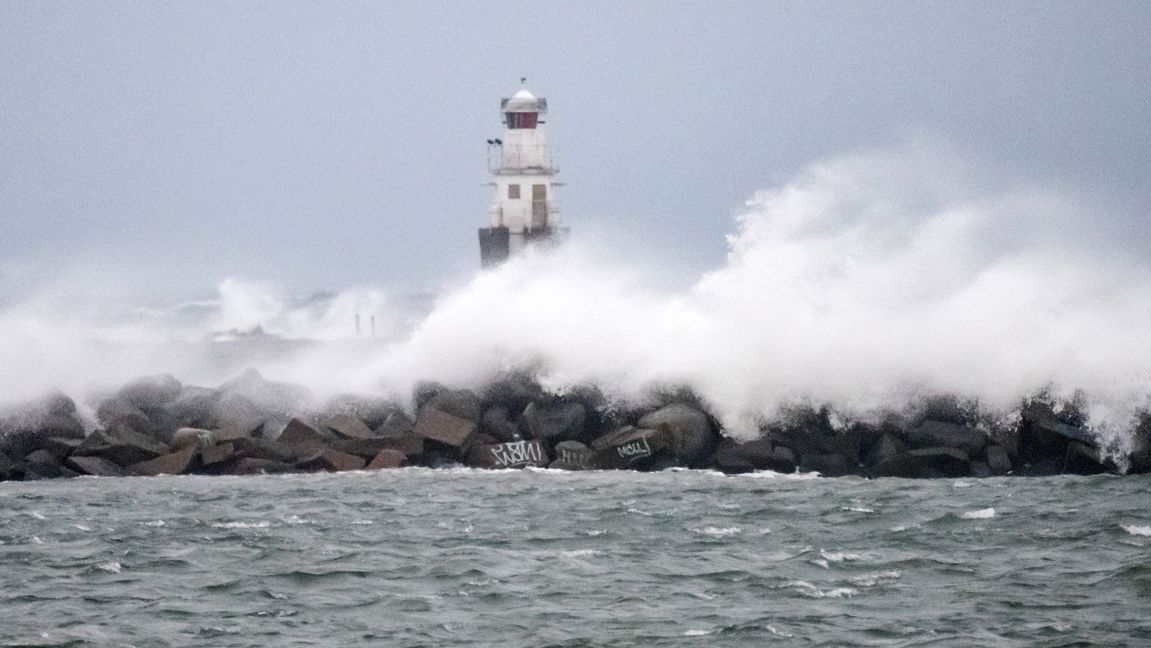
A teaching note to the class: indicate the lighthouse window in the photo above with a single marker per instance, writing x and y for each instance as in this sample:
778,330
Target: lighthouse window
513,192
521,120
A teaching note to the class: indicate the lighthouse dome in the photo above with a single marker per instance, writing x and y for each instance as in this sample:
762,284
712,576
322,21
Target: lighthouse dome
524,101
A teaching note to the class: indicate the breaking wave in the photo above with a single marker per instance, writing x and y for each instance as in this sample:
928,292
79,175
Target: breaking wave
864,282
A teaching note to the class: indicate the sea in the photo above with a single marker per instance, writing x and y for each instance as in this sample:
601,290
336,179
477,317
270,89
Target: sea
460,557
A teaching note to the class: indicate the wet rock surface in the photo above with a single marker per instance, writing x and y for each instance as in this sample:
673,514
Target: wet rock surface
250,425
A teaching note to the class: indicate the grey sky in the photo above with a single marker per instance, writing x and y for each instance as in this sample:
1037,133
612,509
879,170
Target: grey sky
322,145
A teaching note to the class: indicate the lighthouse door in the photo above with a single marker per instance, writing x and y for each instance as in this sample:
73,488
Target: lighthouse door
539,206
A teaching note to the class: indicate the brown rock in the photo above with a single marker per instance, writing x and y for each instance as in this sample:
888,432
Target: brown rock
252,448
217,454
122,446
395,424
444,428
332,461
176,463
348,426
97,466
298,432
461,403
388,459
409,445
237,417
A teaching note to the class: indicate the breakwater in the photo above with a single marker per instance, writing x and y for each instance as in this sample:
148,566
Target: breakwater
250,425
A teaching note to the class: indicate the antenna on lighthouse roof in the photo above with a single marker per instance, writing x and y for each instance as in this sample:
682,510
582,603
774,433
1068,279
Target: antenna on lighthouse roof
523,80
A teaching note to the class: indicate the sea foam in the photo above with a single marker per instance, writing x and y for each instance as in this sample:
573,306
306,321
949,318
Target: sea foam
863,282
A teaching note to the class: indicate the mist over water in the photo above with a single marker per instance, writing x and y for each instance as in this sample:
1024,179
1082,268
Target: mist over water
864,282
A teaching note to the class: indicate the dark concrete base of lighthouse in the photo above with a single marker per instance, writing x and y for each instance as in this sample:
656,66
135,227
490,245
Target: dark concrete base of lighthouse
494,242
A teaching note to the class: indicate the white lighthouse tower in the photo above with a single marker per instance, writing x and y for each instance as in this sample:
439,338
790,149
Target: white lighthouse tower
524,209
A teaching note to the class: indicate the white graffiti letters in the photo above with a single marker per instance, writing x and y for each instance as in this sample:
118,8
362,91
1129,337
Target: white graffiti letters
636,448
517,453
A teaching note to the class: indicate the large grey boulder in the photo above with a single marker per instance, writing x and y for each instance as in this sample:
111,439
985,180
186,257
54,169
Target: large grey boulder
735,458
387,459
461,403
42,464
926,463
515,454
691,436
573,455
1046,435
174,463
440,426
554,422
1082,459
187,437
888,448
942,434
942,462
122,446
496,423
632,448
9,468
409,445
237,416
300,433
270,397
154,420
27,427
396,424
263,449
151,391
372,411
331,461
514,391
348,426
196,407
760,454
97,467
998,461
827,464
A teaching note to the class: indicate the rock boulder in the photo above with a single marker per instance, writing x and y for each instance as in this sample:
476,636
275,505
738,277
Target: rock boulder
514,454
691,436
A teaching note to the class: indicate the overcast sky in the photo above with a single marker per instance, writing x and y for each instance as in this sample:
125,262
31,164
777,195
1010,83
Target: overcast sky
324,145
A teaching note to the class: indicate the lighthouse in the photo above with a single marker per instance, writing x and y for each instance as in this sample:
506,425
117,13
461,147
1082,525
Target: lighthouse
523,210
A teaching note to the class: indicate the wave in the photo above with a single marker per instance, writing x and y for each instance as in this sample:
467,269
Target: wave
865,282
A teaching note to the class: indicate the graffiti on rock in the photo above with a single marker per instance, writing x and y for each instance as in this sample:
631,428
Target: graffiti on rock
632,449
517,453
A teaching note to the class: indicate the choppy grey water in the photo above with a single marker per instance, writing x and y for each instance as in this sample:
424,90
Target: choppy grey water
420,557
